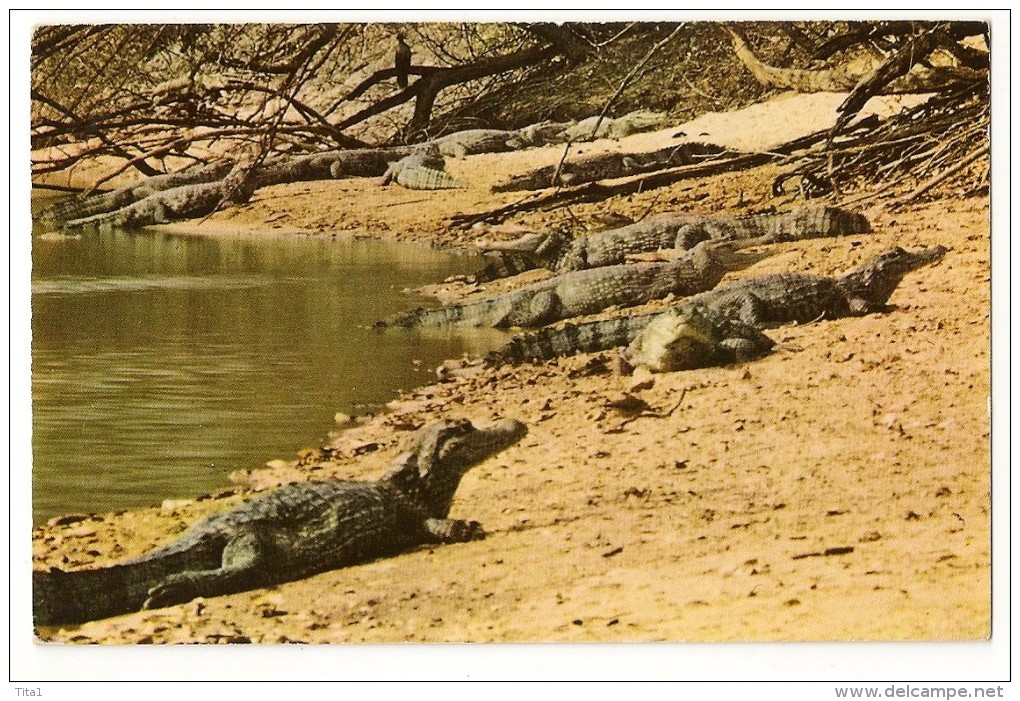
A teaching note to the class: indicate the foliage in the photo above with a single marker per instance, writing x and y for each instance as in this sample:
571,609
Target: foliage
161,97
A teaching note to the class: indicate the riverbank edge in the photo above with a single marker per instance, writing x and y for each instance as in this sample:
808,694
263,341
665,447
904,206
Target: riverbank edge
475,395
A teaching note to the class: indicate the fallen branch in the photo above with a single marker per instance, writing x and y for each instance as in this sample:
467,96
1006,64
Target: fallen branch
952,170
595,192
630,76
897,65
609,103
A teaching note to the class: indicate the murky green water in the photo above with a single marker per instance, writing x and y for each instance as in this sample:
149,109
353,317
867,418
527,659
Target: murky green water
161,363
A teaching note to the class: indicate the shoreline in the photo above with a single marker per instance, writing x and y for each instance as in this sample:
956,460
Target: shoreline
866,437
205,463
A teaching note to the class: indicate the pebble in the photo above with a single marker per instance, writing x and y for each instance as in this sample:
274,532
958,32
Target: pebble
66,520
171,505
81,532
642,379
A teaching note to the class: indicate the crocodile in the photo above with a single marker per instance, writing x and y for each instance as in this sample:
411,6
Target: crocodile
342,163
678,231
74,208
424,169
607,166
618,127
543,133
694,336
291,533
197,192
764,301
183,202
589,291
509,258
471,141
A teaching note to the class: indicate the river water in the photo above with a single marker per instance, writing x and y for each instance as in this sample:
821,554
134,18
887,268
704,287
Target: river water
161,363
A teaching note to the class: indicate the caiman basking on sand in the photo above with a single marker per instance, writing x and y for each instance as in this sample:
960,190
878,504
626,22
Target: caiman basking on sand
760,301
425,169
589,291
292,533
616,127
471,141
182,202
694,336
197,192
608,166
556,251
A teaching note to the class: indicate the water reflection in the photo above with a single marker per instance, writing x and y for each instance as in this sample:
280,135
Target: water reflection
161,363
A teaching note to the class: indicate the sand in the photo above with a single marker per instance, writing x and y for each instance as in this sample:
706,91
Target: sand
837,489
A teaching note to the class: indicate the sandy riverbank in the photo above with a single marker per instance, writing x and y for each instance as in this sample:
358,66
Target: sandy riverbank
707,522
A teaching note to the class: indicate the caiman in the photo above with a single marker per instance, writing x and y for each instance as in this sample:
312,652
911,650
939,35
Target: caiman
292,533
183,202
694,336
556,252
545,132
607,166
616,127
197,192
472,141
760,301
589,291
424,169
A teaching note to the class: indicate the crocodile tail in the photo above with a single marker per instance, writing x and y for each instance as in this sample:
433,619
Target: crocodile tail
504,264
434,316
803,223
429,179
75,208
60,597
815,222
844,222
94,221
589,337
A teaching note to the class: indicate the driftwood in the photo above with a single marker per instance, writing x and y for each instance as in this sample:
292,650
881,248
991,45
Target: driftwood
932,145
596,192
915,76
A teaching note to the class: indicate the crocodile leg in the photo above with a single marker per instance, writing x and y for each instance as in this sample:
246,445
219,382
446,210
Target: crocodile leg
544,307
451,530
742,349
752,310
244,564
690,235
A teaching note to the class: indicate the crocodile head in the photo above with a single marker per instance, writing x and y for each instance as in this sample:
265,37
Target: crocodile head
528,243
543,248
847,221
869,286
442,454
675,340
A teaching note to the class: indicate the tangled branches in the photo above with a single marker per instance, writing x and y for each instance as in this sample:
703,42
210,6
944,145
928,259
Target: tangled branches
159,98
937,145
